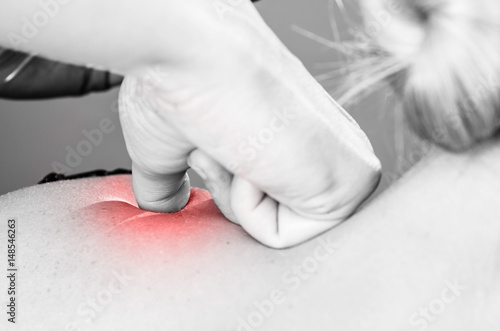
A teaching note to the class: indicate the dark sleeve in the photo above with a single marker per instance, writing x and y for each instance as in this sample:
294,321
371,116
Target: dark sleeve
41,78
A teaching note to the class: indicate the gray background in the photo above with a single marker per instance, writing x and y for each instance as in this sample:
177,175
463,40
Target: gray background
33,135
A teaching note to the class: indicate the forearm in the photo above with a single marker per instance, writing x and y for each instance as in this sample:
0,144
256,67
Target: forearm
116,35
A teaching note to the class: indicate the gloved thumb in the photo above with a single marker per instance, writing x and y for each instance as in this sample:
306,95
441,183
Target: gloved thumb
160,192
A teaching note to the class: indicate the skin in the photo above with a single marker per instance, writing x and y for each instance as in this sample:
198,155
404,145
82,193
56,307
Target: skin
225,85
431,239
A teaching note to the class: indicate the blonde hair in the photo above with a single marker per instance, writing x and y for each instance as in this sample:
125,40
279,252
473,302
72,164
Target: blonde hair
442,57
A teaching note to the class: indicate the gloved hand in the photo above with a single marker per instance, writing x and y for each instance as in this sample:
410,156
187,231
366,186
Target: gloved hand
39,78
282,159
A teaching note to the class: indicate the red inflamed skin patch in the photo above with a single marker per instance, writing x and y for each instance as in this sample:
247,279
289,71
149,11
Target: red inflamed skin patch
119,225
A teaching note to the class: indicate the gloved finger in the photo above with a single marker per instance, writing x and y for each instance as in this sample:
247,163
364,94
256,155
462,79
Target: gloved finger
157,150
269,222
217,179
22,77
160,192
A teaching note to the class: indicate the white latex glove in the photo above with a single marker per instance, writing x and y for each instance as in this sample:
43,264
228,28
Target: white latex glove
282,159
